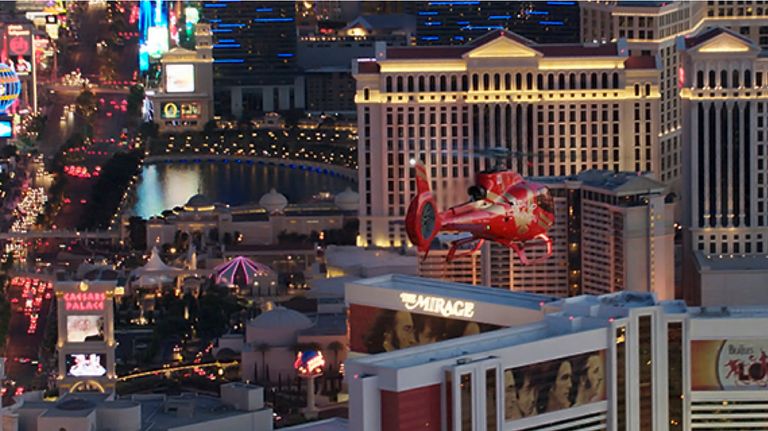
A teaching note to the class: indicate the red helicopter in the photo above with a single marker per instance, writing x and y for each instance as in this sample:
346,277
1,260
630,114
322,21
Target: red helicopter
503,207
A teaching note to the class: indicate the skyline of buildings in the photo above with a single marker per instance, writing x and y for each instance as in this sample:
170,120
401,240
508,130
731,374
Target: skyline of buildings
637,128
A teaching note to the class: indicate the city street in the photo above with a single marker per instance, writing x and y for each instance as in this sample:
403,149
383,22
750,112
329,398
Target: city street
30,302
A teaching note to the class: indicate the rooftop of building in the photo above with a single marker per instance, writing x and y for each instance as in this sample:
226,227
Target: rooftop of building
619,183
563,317
155,415
546,50
327,324
406,283
360,261
731,262
711,33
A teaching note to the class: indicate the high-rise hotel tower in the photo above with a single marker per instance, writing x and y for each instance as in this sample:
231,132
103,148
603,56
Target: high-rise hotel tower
564,108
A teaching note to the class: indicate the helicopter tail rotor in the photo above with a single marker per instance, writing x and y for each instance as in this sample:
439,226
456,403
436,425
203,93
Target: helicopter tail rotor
422,221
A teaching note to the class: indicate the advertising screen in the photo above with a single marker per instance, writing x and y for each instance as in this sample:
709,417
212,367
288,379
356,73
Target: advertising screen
180,78
376,330
190,111
6,128
729,365
554,385
85,328
86,364
170,111
176,110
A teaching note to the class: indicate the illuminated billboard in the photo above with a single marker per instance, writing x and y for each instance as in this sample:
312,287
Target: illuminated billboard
376,330
157,41
86,364
176,110
729,365
85,328
554,385
180,78
6,128
84,301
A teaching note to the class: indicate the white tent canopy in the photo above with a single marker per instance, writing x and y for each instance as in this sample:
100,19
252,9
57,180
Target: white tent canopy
155,271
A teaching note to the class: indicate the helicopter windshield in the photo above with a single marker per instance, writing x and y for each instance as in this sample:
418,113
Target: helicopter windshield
476,193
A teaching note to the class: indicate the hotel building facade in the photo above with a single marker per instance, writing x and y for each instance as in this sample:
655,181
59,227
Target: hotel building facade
566,108
726,207
651,28
623,361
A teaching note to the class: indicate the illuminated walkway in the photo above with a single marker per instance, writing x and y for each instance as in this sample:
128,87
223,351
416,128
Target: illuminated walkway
159,371
61,234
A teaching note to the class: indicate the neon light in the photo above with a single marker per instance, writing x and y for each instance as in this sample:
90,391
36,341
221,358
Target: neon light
264,9
214,20
458,37
84,301
228,271
228,60
482,27
538,12
227,41
462,22
226,45
551,22
223,30
433,23
500,17
231,25
437,305
214,5
427,13
273,20
309,363
284,54
429,38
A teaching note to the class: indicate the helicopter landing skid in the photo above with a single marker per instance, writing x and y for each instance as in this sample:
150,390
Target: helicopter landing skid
520,250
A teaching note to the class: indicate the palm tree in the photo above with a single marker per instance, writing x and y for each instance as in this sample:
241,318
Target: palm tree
263,348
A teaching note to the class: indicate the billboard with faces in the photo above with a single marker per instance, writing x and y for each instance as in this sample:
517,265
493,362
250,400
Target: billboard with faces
554,385
81,328
377,330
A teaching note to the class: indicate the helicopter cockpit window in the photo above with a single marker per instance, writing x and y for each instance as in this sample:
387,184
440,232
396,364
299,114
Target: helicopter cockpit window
477,193
544,201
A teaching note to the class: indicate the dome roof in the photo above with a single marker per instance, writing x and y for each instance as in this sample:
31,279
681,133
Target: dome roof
273,201
198,203
282,319
347,200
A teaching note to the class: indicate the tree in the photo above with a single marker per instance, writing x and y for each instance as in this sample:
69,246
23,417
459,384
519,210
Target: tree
135,100
86,104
